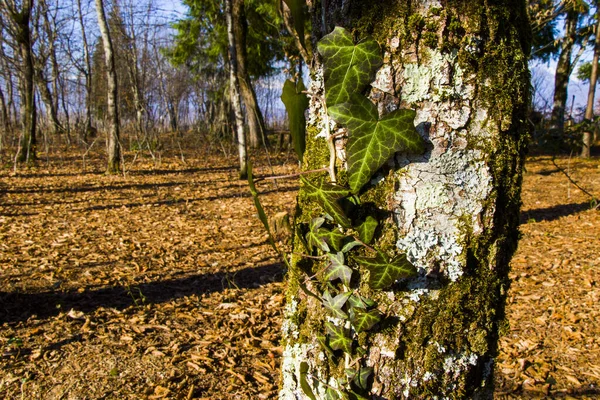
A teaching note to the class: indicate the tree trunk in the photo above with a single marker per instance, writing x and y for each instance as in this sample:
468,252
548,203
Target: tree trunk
454,211
48,99
87,71
234,88
27,152
112,140
589,111
256,124
563,73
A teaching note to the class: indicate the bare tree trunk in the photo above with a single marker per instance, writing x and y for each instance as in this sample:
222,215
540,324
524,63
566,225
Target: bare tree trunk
5,122
589,111
49,100
256,124
562,75
234,88
112,140
20,19
453,211
88,75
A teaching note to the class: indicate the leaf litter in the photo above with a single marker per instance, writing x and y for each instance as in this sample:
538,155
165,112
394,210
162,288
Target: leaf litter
161,284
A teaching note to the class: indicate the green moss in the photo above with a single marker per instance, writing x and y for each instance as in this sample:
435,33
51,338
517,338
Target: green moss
416,22
317,152
430,39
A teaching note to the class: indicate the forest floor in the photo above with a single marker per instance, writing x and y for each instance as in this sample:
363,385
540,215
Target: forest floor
160,283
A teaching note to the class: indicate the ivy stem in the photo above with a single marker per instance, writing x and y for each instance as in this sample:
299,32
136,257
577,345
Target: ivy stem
364,244
312,171
312,257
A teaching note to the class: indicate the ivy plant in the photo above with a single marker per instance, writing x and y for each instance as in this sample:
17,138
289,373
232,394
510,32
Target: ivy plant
342,235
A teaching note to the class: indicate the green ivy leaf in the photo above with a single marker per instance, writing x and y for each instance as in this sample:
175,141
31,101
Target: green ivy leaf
335,304
304,381
348,68
361,379
357,301
332,394
350,245
296,103
337,269
385,272
324,342
366,230
328,196
338,338
259,208
363,320
333,238
297,10
313,238
372,141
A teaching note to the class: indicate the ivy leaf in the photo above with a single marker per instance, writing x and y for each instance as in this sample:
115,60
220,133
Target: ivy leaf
323,341
372,141
348,68
385,272
366,230
296,103
350,245
313,238
338,338
259,208
363,320
337,269
361,379
332,394
328,196
357,301
304,381
335,304
333,238
297,10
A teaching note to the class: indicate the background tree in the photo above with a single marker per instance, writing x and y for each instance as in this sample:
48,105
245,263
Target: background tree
453,211
201,44
234,87
112,139
17,18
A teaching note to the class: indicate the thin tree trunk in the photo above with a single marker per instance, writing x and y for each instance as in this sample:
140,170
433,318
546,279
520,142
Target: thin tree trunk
4,116
256,124
234,88
21,19
49,100
453,211
562,75
112,140
589,111
88,76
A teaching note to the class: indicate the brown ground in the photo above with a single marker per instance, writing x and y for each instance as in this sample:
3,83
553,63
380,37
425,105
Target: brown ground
160,284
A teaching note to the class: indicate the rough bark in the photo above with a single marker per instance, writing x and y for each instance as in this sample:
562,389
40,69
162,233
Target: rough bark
256,124
563,73
112,137
589,111
234,87
454,211
20,19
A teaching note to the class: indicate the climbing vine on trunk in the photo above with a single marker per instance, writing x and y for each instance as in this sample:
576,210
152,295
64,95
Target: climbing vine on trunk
345,224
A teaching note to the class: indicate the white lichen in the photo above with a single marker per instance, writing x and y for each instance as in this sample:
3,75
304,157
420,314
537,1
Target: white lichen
438,200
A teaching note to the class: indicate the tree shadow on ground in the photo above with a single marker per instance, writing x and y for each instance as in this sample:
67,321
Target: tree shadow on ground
554,212
16,307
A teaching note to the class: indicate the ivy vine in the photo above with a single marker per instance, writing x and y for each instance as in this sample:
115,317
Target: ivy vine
345,224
